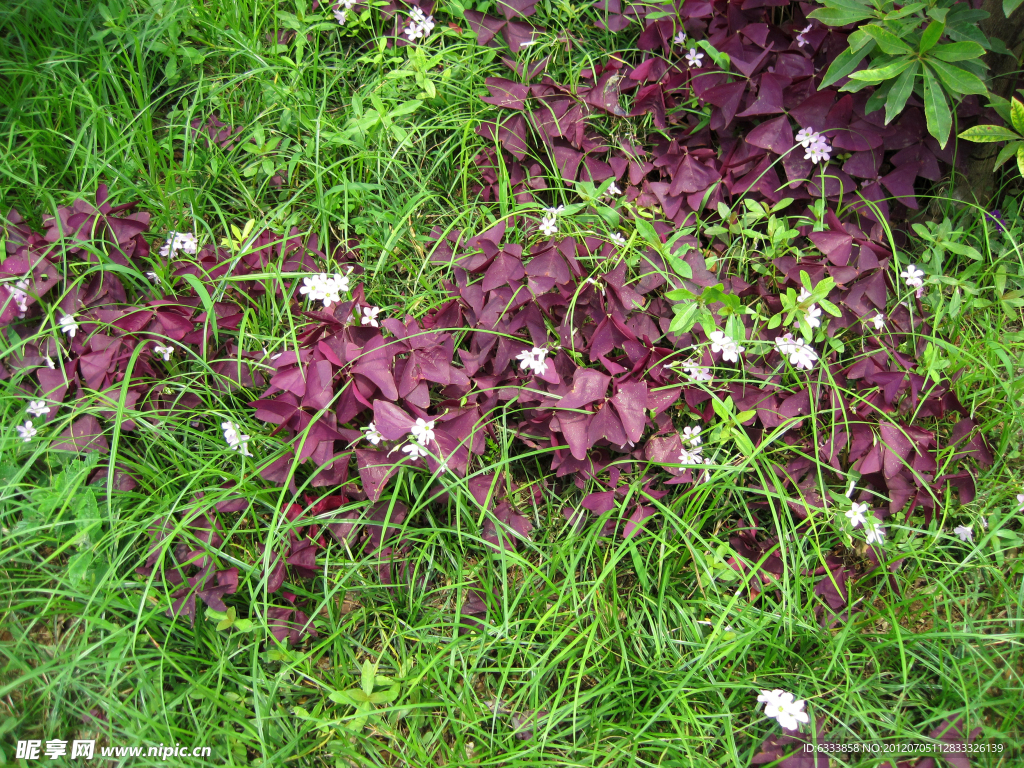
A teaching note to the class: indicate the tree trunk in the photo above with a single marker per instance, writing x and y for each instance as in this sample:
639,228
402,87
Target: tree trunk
978,182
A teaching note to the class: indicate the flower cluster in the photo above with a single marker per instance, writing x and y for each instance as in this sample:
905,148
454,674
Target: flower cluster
422,435
19,295
549,223
324,287
800,353
179,241
692,450
235,439
729,347
342,9
420,25
534,360
812,314
816,146
784,707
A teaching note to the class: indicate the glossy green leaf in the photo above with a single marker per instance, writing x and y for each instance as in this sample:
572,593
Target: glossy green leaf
986,134
839,13
931,36
962,51
958,81
1009,6
886,72
1006,153
1017,114
900,92
887,41
936,109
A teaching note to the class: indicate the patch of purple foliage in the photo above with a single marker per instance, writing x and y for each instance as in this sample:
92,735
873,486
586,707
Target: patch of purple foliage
606,402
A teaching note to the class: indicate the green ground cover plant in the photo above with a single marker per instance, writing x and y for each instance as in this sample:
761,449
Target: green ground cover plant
512,384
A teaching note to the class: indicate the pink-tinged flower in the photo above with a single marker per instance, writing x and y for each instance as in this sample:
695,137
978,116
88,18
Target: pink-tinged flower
37,408
420,25
693,58
875,532
691,456
371,434
1020,502
235,439
914,278
19,295
179,241
730,349
370,316
340,16
680,38
697,373
813,313
805,137
69,326
800,39
819,151
781,706
534,359
800,354
164,352
964,533
612,190
26,432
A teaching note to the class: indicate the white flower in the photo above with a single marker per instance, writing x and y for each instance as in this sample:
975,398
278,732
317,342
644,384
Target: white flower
618,239
598,285
813,313
878,321
49,363
534,359
415,450
38,408
690,456
805,137
549,226
729,348
19,294
153,278
1020,502
819,151
68,325
324,287
235,440
26,432
800,39
984,521
179,241
857,514
697,373
422,431
680,38
849,491
339,16
691,436
693,58
370,316
371,434
965,533
420,25
164,352
913,277
779,704
875,532
800,354
613,189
